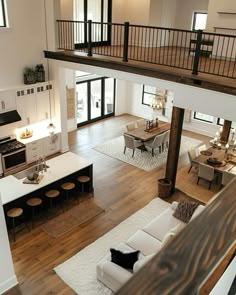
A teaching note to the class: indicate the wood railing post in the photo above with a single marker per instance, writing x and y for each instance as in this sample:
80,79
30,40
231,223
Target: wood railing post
90,53
126,42
197,52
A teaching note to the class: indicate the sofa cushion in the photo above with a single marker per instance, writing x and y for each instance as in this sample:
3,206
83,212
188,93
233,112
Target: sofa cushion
184,210
143,242
141,262
122,259
162,224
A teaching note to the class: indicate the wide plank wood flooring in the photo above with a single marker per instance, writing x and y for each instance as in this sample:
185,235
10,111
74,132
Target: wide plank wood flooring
119,188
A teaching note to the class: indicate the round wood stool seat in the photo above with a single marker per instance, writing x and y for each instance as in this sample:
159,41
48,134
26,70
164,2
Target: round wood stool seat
67,186
33,202
82,180
52,193
15,212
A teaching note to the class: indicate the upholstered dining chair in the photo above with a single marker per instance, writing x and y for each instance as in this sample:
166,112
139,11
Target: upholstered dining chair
192,155
206,172
141,123
200,148
226,178
131,126
131,143
155,143
165,144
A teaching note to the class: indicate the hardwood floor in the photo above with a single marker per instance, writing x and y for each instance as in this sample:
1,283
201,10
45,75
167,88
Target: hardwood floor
119,188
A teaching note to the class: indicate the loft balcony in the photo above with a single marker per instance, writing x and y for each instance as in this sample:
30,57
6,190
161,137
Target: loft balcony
197,58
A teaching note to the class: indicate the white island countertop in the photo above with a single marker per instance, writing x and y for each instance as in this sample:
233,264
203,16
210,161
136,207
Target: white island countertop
61,166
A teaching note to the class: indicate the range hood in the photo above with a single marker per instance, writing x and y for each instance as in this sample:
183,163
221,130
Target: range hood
9,117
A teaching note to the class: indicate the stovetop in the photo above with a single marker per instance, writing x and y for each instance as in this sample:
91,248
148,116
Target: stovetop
8,145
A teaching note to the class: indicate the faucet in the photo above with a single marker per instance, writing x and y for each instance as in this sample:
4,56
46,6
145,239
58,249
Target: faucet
41,160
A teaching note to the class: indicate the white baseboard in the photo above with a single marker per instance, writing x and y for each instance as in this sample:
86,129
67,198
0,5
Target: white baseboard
65,149
10,283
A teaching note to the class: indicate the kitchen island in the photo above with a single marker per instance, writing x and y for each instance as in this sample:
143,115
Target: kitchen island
60,168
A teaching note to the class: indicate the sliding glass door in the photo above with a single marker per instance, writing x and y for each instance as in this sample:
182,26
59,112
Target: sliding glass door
97,11
95,100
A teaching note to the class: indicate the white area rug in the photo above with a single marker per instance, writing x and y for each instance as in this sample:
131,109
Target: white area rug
115,148
79,272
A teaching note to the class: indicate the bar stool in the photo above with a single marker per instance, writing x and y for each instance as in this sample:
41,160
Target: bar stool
33,202
15,213
83,179
67,186
51,195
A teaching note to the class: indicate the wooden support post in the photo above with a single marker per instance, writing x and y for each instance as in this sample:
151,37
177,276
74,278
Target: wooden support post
174,145
224,136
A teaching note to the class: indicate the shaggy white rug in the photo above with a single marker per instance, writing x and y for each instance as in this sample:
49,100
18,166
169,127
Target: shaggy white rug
79,272
115,148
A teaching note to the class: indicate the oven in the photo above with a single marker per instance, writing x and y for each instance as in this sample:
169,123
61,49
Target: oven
14,161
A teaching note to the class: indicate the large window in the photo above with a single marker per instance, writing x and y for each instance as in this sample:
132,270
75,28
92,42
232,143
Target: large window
203,117
2,14
149,92
199,21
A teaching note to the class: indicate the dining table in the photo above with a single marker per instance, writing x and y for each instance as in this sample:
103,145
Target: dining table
144,135
220,159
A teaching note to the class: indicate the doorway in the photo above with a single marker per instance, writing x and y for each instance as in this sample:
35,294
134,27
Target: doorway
95,100
98,11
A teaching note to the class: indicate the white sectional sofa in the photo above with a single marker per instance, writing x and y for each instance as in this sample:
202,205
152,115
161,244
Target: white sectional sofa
148,240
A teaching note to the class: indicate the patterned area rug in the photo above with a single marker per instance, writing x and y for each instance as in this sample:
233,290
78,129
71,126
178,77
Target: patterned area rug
115,148
79,272
70,219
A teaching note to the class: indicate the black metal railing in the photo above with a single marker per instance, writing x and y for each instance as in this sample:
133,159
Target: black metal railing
195,51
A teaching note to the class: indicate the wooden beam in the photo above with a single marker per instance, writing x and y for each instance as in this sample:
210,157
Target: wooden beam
183,264
226,131
174,145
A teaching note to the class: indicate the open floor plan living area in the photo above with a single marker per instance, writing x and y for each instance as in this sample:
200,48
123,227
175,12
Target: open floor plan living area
117,147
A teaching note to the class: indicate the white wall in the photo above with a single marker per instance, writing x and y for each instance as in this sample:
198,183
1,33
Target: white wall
7,274
66,9
184,12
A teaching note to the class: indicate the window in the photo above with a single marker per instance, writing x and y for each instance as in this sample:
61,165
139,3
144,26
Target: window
199,21
221,122
149,92
2,14
203,117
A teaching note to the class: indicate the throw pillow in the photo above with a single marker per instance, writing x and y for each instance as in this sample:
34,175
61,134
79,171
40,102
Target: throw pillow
141,262
185,210
171,233
125,260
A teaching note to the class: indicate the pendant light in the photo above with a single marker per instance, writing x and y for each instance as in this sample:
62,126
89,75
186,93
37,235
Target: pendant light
51,127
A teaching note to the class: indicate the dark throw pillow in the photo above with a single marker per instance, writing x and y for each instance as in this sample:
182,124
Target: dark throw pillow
184,210
125,260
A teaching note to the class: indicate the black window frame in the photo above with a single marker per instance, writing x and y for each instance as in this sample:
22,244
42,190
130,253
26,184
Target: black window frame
194,19
3,14
146,104
202,120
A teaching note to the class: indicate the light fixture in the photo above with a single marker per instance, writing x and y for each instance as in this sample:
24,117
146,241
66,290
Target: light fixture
158,102
51,127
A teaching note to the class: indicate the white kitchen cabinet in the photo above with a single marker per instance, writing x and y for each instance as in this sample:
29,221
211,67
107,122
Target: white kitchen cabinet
34,150
7,101
51,145
26,108
44,101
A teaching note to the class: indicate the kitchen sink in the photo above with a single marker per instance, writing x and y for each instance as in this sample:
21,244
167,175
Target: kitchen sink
30,171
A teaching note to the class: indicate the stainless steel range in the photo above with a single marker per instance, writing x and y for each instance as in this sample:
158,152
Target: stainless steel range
13,155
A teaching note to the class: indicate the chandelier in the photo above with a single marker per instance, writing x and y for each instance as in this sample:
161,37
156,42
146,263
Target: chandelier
158,102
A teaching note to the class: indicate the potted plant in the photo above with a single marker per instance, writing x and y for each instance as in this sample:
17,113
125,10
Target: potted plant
39,73
29,75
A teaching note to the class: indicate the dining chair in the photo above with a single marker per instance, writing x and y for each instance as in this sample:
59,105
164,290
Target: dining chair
131,126
199,149
166,138
155,143
192,156
206,172
141,123
226,178
131,143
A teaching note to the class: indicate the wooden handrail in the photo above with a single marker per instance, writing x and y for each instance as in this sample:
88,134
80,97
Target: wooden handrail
185,263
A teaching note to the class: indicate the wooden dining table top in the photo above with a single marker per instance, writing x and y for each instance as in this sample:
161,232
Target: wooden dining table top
228,160
140,133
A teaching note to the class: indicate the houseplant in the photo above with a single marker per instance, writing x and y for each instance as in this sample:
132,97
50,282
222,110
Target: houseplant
29,75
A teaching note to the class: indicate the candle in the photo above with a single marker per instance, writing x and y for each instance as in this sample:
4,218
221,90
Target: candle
227,146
